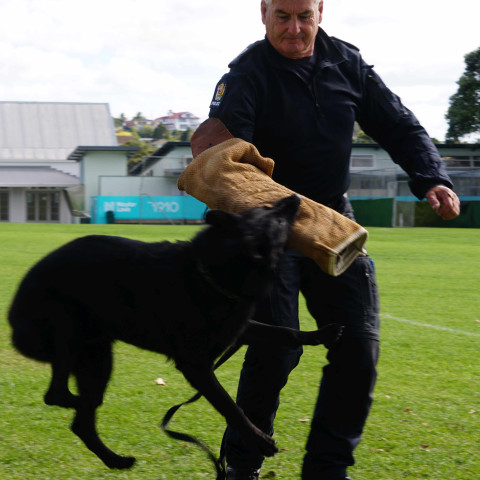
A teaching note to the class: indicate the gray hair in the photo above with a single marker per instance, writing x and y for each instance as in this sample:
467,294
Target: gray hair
269,2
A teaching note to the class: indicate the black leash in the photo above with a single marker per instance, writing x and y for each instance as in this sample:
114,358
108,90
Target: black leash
220,462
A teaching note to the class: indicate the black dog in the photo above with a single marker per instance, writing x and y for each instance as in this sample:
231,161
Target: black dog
187,300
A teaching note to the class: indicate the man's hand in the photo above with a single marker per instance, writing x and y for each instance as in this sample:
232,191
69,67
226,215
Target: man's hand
444,201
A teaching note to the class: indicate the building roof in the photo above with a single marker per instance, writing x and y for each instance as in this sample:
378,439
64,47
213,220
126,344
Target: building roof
440,146
51,130
173,115
35,177
156,156
80,152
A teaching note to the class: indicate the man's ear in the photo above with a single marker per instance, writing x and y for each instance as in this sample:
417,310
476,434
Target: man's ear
263,9
220,218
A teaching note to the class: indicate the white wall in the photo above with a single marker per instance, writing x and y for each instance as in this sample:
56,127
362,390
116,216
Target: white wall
96,164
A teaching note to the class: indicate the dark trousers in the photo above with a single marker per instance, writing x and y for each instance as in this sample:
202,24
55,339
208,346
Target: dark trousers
348,380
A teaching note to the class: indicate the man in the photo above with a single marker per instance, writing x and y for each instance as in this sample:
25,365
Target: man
295,96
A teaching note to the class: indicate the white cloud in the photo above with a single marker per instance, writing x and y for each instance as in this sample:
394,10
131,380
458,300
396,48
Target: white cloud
155,55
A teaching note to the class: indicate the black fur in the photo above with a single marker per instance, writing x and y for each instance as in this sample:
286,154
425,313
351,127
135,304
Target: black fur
187,300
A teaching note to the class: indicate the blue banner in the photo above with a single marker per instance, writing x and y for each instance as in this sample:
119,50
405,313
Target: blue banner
145,207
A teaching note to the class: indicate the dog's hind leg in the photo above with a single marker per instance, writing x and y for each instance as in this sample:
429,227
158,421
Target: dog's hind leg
93,372
63,357
58,392
205,381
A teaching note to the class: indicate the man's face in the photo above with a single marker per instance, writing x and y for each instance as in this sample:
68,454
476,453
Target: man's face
292,26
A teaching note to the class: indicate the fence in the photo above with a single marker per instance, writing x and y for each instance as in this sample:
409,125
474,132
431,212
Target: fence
409,212
385,200
378,200
146,209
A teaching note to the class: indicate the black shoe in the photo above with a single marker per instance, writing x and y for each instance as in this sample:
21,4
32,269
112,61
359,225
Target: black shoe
346,477
343,478
242,474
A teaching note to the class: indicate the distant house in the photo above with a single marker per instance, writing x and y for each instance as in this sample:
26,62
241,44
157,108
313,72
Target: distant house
140,123
44,150
179,121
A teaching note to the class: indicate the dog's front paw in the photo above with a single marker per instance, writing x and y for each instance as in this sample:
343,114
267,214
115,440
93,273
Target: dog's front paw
331,334
328,336
265,444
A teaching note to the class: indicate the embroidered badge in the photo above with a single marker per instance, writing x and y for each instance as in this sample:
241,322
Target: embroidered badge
219,93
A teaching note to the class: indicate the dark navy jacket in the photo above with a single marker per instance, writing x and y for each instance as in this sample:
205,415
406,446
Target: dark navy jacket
306,127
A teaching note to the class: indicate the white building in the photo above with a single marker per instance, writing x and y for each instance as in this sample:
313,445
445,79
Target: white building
40,148
179,121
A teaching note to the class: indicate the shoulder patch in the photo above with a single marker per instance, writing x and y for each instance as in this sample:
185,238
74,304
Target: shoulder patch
219,94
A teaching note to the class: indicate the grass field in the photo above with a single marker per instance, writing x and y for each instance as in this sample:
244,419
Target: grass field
425,422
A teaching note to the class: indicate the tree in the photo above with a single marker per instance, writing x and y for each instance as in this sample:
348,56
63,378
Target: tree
463,114
359,136
186,135
145,132
362,137
119,121
145,150
161,131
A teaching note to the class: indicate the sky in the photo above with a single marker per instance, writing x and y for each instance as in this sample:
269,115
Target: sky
152,56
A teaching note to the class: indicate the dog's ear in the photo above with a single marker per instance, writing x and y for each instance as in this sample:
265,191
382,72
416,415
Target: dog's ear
220,218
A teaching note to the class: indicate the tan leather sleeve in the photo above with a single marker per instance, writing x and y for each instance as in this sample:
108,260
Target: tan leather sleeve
233,176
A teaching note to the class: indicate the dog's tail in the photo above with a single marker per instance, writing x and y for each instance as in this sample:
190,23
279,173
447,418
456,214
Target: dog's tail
220,462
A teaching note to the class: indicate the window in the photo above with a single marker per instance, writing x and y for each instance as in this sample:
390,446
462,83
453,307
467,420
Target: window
457,161
4,206
43,206
362,161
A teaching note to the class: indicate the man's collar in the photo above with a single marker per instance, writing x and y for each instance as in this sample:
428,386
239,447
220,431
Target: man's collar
325,50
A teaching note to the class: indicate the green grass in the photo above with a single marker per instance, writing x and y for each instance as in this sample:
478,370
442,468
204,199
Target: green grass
424,424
